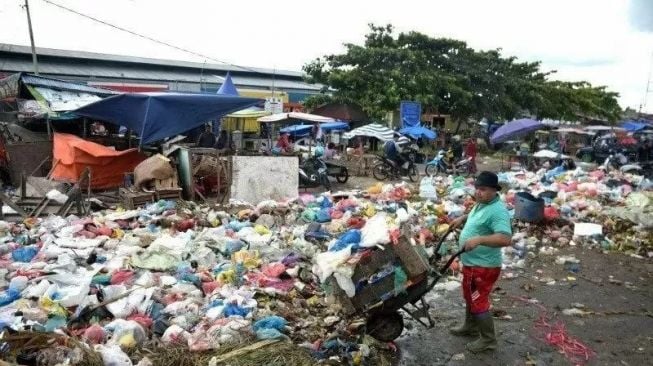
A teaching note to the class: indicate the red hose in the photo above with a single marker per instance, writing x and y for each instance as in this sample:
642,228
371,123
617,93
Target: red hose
556,335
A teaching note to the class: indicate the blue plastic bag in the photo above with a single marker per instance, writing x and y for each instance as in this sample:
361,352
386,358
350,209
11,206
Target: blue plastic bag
323,215
326,203
270,322
269,333
9,296
237,225
351,237
24,254
234,310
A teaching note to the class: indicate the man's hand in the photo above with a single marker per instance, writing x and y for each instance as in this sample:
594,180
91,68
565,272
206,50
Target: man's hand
456,223
472,243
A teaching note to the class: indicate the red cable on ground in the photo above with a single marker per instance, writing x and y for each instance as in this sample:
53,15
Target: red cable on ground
556,335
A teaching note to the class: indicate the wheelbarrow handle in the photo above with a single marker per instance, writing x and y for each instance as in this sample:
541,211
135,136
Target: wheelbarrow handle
437,247
451,260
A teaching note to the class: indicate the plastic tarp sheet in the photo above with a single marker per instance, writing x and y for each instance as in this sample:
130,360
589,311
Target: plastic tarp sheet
634,126
228,87
305,130
72,154
417,132
155,116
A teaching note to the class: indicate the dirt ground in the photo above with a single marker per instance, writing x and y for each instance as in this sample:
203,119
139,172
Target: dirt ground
614,288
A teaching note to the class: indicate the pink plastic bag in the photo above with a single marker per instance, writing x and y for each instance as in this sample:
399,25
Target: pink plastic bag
274,269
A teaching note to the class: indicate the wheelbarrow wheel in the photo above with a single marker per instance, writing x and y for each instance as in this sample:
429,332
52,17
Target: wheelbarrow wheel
385,327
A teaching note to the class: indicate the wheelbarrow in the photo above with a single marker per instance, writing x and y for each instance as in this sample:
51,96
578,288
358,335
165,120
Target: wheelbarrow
385,323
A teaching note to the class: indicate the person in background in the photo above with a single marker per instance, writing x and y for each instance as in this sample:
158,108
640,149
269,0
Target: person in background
330,151
222,143
283,144
206,138
470,152
457,147
563,143
316,133
535,144
486,230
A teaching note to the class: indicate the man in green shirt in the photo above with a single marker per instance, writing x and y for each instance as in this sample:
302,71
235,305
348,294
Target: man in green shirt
487,229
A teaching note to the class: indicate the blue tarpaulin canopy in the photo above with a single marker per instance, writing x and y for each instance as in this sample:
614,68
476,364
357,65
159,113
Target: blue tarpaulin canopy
155,116
634,126
305,130
417,132
228,87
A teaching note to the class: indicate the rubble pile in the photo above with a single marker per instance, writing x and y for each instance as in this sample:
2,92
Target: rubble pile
206,278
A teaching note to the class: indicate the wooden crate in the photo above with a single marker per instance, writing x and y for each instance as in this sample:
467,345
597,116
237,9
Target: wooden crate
133,199
168,194
403,254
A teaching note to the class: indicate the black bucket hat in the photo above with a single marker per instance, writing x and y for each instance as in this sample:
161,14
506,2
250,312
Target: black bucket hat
487,179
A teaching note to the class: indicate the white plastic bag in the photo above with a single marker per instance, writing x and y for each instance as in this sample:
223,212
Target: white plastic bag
113,355
375,231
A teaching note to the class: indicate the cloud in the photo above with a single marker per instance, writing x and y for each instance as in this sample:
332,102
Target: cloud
641,15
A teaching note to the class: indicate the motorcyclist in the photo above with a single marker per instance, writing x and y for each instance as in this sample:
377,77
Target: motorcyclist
392,152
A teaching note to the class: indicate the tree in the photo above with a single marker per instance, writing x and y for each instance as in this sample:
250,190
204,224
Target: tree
449,77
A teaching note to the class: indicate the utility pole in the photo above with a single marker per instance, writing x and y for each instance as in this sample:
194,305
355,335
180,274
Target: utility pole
31,38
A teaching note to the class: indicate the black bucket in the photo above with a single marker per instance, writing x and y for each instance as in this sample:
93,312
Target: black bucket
528,208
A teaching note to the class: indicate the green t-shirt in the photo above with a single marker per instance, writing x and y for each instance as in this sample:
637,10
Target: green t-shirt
485,219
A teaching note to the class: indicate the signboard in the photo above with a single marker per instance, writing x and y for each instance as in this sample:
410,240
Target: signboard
273,105
410,113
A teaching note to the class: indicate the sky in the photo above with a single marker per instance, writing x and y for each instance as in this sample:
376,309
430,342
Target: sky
605,42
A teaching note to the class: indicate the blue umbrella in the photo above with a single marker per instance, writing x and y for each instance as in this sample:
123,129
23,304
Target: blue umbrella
515,129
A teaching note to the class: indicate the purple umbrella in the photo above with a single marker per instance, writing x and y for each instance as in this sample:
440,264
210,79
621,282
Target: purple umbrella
514,129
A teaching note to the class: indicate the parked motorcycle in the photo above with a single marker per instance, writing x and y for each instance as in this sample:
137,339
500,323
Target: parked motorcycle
313,172
439,165
387,168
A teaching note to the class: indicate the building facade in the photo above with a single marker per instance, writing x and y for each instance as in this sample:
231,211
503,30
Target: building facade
138,74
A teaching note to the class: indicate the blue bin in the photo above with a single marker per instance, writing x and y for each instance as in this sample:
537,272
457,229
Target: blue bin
528,207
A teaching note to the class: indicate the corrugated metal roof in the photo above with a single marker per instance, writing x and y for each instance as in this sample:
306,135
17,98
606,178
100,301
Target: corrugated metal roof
64,85
81,55
141,72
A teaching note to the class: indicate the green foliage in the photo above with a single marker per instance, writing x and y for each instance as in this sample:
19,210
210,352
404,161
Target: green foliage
447,76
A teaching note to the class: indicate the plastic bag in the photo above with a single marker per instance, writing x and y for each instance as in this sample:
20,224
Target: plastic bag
375,231
351,237
9,296
24,254
400,280
270,322
274,269
113,355
427,189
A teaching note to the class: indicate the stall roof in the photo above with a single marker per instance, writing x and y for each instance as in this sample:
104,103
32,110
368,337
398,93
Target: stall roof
295,117
155,116
305,130
376,130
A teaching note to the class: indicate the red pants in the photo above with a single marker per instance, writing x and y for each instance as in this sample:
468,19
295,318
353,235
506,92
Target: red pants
477,285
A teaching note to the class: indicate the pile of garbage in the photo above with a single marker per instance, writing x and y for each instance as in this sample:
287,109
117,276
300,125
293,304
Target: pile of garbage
183,275
174,276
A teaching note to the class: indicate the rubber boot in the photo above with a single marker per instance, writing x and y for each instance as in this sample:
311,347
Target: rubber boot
469,328
488,340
